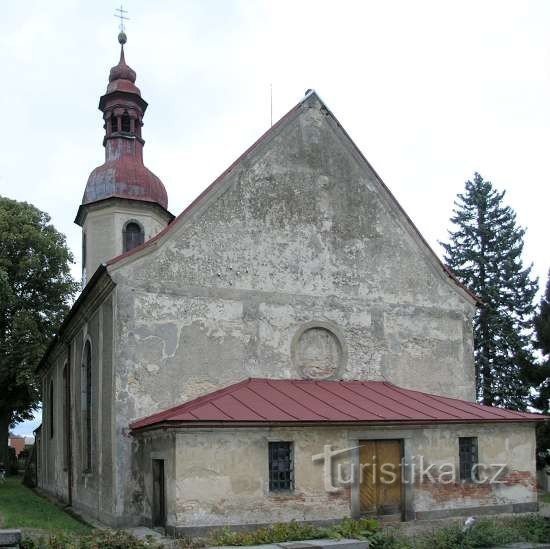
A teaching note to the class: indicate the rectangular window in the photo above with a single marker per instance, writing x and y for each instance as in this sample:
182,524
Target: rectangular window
281,466
467,454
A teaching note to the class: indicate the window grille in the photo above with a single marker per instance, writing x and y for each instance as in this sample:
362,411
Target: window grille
468,458
281,466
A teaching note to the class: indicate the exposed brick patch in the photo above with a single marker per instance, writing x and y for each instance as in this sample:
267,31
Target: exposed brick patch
485,493
523,478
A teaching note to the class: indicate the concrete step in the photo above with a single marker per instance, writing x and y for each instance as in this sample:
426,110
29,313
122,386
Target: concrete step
10,538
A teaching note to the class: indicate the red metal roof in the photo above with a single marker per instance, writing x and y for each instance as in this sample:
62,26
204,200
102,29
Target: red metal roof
306,401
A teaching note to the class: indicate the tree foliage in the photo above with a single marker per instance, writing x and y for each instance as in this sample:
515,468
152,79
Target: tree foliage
542,342
541,377
484,251
36,289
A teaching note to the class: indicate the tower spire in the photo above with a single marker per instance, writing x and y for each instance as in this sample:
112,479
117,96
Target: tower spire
122,15
122,190
122,38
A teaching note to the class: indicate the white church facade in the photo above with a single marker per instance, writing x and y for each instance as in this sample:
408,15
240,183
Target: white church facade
215,360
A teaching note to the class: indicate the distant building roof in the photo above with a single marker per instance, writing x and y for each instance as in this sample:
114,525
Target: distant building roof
308,401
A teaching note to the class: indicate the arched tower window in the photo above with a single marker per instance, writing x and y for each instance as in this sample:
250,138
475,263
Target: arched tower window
125,122
132,236
87,404
114,124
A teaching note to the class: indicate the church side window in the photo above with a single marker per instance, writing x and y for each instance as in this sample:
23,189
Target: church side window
114,124
132,236
66,422
52,419
87,404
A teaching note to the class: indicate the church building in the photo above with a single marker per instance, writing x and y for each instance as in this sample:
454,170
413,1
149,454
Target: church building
272,353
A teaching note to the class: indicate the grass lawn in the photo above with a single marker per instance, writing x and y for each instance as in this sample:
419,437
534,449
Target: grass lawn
21,508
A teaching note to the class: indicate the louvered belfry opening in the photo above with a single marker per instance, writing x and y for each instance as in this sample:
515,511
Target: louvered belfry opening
133,236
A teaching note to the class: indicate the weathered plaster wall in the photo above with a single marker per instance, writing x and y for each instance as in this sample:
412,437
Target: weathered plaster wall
509,445
92,490
220,476
53,477
300,231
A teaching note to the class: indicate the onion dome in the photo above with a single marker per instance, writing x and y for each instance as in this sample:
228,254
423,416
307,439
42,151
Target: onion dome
125,178
122,77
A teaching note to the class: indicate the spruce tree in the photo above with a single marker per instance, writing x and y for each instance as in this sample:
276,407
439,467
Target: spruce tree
484,251
542,342
541,377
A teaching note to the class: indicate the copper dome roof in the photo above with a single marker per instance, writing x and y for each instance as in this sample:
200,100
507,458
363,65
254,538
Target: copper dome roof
125,178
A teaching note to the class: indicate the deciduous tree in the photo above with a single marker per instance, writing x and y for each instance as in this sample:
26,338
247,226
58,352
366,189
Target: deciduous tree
36,289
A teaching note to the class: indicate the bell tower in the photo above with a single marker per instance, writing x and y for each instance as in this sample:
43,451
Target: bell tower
124,203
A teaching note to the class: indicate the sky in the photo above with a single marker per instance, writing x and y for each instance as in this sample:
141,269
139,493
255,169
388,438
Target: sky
430,91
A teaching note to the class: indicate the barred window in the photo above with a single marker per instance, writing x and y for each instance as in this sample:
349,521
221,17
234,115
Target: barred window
467,454
281,466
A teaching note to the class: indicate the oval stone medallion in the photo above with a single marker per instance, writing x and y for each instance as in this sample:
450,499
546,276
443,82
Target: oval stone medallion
317,353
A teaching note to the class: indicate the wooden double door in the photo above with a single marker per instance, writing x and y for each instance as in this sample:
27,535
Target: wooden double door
381,486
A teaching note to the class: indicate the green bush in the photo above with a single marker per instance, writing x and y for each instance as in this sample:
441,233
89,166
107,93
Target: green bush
485,533
294,531
98,539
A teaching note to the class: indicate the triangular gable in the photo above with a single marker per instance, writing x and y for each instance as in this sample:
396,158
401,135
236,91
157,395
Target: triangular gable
217,186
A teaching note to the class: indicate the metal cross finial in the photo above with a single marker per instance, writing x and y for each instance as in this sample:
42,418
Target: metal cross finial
122,16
